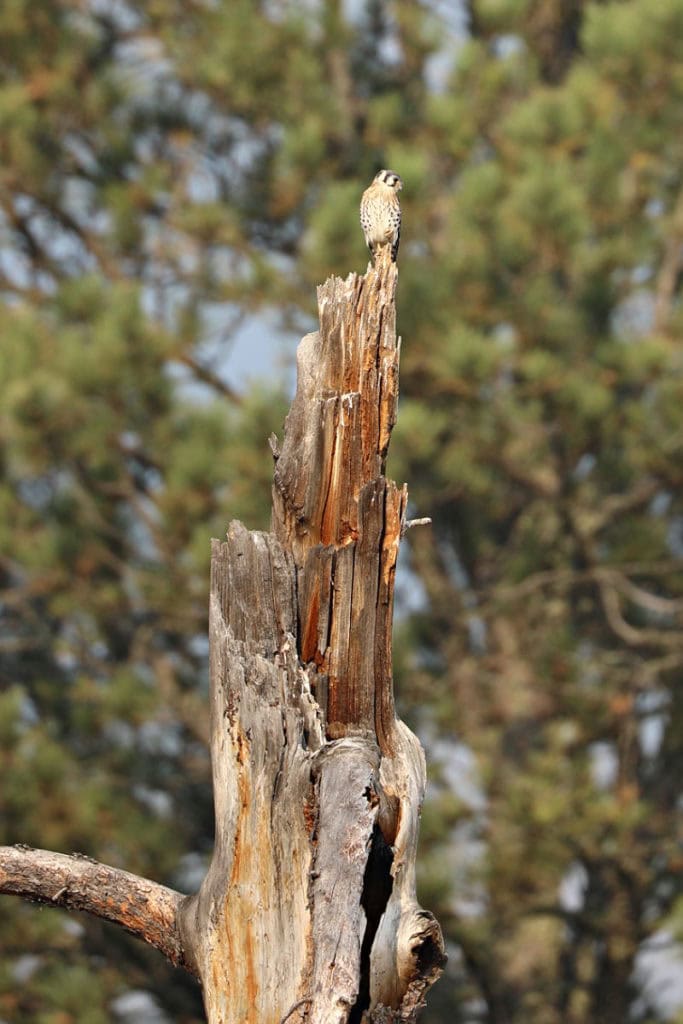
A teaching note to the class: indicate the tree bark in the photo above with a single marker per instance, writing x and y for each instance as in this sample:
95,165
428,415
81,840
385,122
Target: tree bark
308,909
75,882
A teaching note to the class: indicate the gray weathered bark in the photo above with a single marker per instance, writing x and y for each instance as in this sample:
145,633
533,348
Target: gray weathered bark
308,909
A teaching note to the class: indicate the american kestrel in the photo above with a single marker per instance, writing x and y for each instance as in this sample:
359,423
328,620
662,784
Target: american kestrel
380,212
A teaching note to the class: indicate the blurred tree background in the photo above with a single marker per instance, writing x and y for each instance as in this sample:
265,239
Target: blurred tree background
169,171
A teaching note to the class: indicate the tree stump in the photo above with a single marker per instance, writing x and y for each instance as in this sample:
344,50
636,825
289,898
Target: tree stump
308,909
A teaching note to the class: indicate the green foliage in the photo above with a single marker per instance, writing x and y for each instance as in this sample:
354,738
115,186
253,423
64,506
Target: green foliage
161,163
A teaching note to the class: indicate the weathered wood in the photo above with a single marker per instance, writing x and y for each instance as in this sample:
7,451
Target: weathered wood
347,802
332,506
144,908
248,926
308,909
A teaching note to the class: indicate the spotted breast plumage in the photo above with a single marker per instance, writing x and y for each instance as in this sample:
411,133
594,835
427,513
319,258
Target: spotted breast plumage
380,212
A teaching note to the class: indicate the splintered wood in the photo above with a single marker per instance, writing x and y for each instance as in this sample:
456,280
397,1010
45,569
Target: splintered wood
338,429
334,509
308,910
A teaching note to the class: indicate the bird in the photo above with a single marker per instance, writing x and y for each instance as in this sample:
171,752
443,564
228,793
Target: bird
380,212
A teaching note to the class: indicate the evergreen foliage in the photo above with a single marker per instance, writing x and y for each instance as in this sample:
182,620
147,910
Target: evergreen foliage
167,167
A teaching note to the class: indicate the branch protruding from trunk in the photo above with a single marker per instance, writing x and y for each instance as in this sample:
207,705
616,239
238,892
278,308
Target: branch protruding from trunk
144,908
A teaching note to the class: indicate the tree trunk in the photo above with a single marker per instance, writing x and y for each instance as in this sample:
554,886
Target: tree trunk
308,909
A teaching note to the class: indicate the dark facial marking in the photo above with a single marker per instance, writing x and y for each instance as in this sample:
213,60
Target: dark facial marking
390,178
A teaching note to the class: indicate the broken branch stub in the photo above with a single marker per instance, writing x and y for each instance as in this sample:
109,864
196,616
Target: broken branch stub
308,910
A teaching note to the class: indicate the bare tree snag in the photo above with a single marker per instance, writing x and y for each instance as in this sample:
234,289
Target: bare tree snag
309,905
308,909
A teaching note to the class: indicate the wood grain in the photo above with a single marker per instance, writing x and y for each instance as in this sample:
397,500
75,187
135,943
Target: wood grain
144,908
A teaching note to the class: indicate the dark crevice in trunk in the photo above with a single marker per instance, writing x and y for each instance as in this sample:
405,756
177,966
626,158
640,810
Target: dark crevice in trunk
377,886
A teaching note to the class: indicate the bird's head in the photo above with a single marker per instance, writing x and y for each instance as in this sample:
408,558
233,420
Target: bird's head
390,178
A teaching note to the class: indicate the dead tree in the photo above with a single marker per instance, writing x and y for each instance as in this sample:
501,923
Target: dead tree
308,909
